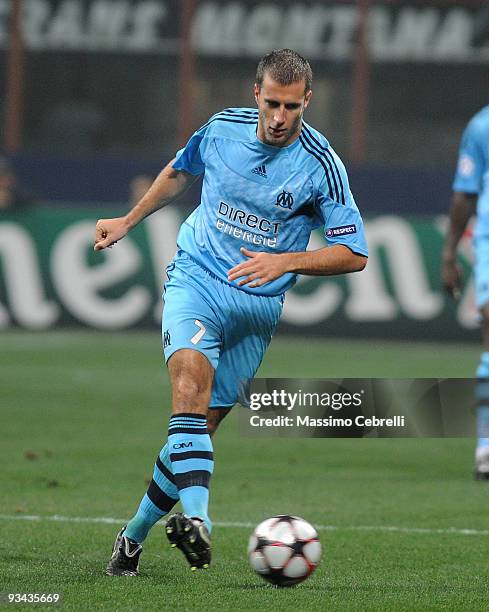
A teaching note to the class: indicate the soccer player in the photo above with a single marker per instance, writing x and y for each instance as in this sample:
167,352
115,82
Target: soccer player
471,195
269,179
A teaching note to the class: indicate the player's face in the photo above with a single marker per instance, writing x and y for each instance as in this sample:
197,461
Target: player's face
280,109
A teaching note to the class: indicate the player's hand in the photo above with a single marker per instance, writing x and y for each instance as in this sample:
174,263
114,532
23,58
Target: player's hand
259,268
109,231
452,278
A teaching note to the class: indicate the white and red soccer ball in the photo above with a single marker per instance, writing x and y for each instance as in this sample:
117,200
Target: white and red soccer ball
284,550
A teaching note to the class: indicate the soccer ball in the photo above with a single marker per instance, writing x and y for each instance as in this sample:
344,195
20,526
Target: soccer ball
284,550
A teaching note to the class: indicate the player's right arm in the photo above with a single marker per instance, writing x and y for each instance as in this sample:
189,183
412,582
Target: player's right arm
167,186
461,210
466,187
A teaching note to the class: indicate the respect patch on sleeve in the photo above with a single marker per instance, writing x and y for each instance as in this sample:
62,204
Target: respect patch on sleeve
341,231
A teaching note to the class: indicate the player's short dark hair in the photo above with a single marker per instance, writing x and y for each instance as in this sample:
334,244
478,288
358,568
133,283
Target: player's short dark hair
286,67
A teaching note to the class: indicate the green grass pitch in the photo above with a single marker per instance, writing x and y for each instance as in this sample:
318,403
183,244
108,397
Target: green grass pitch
83,415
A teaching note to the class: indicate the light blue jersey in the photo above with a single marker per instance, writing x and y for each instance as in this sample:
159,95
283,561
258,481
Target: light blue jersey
262,197
472,175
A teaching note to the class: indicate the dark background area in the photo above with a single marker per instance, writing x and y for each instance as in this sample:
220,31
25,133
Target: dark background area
96,114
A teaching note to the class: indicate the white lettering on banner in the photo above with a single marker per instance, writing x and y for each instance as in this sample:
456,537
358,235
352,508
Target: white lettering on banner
216,30
106,24
369,299
78,285
408,37
36,14
296,21
162,228
344,22
314,307
66,28
263,25
101,25
147,17
339,22
455,39
408,33
233,29
420,34
23,279
407,273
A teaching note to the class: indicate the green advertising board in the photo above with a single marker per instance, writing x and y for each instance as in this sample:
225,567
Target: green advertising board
51,277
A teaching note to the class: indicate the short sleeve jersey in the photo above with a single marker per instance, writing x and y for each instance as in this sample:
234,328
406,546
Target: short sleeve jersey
262,197
472,174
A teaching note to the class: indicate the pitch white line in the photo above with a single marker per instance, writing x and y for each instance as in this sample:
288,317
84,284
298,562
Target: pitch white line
225,524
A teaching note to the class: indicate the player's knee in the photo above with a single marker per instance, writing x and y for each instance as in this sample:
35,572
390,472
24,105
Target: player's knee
189,389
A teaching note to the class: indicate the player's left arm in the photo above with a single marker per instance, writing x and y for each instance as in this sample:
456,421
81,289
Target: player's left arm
263,268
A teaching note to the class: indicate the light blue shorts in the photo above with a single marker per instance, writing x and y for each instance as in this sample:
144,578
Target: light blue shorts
230,327
481,270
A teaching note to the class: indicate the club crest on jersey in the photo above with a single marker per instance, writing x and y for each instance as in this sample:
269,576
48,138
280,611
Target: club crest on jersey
166,339
285,199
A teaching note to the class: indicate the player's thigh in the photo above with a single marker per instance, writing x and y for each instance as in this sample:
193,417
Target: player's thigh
192,338
244,347
189,322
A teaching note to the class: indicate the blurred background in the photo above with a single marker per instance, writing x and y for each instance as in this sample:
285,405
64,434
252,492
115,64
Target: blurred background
97,95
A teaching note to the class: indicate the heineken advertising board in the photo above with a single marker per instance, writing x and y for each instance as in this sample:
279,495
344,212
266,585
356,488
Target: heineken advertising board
51,277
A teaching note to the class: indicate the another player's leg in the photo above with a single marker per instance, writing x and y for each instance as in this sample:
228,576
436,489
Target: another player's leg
214,418
191,454
482,450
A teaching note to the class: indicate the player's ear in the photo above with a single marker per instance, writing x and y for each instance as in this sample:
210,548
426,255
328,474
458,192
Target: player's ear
257,90
307,98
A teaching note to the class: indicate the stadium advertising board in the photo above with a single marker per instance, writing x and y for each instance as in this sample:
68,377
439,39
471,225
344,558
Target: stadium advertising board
414,33
50,276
